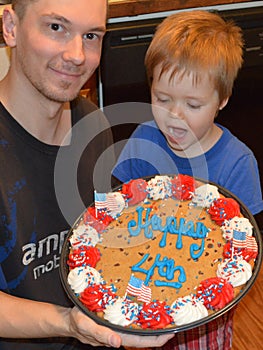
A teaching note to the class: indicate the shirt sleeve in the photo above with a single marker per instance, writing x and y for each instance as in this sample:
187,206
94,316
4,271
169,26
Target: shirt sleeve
244,182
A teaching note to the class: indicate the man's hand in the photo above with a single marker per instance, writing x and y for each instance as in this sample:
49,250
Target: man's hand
88,332
141,341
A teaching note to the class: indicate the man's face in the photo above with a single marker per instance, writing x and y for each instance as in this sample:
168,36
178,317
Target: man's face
58,45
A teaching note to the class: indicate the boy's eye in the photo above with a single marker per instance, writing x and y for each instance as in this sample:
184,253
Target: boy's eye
162,99
192,106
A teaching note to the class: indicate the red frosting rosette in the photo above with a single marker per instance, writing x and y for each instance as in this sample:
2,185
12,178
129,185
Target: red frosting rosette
223,209
154,315
247,253
135,191
84,256
96,296
215,292
183,187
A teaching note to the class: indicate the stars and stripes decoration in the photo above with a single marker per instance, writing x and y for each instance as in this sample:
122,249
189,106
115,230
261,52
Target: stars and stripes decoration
244,241
252,244
112,202
146,294
239,239
136,287
100,200
106,202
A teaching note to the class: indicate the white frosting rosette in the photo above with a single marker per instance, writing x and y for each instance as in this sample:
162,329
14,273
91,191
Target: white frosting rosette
159,187
235,271
204,195
84,235
80,278
236,224
188,309
121,312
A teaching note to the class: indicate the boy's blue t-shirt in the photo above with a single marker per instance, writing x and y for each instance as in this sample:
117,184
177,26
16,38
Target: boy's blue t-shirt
229,163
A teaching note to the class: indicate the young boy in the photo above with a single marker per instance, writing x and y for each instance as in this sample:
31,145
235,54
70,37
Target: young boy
191,65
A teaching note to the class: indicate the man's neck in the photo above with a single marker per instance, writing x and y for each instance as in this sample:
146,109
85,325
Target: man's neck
46,120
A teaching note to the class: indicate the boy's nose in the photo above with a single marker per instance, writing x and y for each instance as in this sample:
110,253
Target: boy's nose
176,112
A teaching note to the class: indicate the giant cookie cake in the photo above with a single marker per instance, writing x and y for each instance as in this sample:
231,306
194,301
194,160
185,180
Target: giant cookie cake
160,253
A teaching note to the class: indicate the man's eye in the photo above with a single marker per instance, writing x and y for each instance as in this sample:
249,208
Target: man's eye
56,27
90,36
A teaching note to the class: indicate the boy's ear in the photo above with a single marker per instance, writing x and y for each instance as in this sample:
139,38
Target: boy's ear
9,19
223,103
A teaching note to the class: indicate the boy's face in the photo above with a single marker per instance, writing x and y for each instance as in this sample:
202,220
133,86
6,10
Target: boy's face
185,112
57,45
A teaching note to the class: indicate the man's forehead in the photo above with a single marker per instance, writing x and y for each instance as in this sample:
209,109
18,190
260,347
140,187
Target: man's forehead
83,8
90,13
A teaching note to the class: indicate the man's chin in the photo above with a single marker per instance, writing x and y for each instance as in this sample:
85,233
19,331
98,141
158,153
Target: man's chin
62,98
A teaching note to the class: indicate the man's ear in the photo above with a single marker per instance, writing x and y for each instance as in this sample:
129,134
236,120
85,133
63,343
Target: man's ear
9,20
223,103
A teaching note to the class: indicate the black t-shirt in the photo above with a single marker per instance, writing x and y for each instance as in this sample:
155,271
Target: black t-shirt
39,200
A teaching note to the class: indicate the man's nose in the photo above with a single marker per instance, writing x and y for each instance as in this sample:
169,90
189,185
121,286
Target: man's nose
74,51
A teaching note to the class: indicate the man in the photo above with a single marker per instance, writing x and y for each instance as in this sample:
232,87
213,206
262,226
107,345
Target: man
55,48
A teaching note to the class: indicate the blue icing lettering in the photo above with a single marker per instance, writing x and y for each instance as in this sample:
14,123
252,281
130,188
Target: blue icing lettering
195,247
166,269
171,226
132,224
